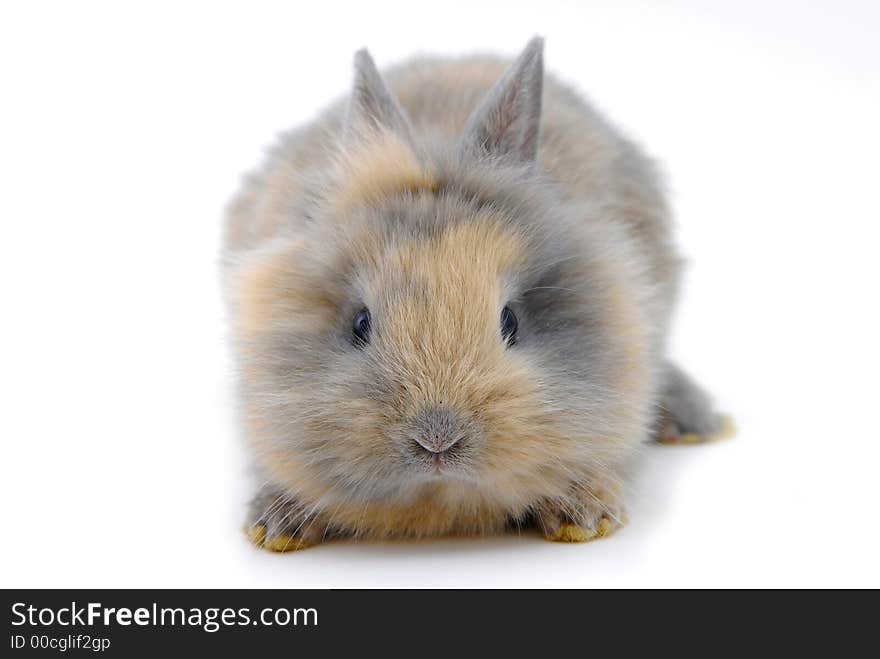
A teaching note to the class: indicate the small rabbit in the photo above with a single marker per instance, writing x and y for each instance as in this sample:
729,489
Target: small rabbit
449,298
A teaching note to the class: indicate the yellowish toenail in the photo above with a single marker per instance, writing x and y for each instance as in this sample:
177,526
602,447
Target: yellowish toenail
256,534
727,430
285,543
606,526
572,533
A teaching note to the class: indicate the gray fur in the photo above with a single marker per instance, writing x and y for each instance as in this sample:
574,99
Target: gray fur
507,122
372,106
687,405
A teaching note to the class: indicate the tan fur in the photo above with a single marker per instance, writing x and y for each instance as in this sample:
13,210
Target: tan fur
381,165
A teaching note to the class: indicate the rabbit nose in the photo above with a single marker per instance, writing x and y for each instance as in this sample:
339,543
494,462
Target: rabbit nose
436,443
439,429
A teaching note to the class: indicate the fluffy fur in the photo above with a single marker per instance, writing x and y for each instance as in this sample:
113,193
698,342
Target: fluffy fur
434,200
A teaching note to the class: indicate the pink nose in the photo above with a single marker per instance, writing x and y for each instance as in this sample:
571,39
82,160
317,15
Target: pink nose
436,443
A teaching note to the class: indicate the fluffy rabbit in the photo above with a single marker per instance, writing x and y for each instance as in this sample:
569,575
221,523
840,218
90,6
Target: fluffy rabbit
449,298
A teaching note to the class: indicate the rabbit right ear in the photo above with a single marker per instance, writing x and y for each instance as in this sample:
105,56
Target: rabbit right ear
507,122
372,107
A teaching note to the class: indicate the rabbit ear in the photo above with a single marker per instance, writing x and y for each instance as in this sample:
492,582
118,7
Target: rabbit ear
372,107
506,122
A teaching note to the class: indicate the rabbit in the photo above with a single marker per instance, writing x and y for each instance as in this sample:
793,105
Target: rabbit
449,298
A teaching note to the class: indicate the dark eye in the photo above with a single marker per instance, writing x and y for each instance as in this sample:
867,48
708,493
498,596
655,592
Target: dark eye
361,328
508,326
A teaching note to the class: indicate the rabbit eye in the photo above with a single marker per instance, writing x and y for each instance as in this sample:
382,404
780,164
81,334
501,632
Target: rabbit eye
508,325
361,328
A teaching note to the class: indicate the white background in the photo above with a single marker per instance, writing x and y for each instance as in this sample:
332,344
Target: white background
124,131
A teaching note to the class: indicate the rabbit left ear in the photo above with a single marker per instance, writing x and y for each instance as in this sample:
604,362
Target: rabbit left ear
371,106
507,121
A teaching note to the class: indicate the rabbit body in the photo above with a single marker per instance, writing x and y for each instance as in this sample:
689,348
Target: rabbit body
449,298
